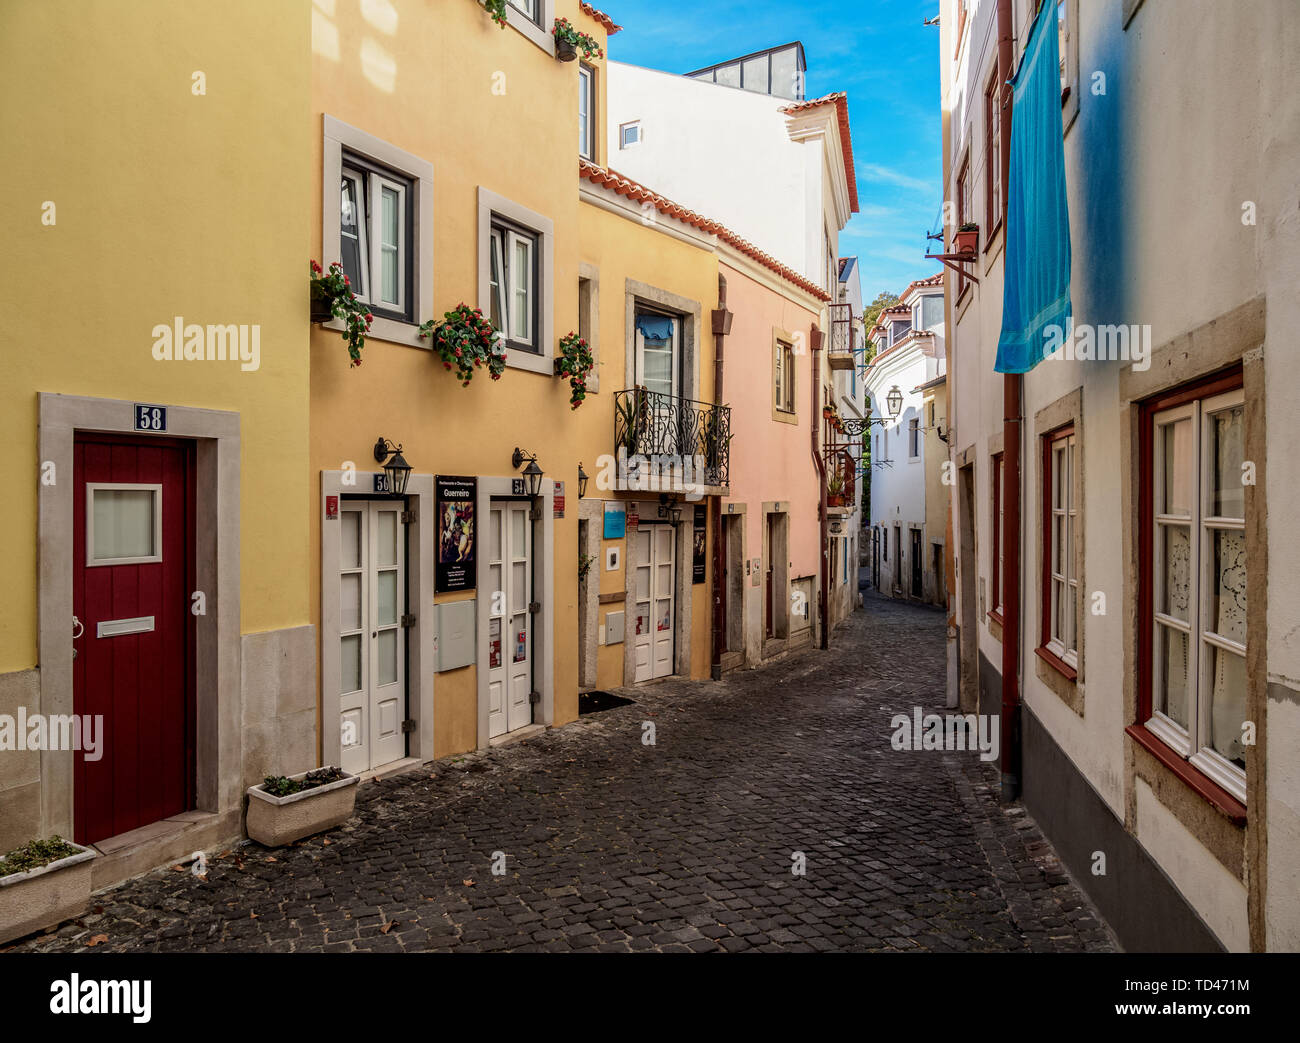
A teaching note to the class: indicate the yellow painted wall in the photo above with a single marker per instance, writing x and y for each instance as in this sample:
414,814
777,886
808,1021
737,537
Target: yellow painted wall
625,249
427,87
164,205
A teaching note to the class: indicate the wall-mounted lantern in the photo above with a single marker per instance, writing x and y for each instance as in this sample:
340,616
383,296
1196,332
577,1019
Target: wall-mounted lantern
582,481
532,473
396,469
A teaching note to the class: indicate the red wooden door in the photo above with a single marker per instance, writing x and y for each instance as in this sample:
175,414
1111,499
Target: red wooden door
133,575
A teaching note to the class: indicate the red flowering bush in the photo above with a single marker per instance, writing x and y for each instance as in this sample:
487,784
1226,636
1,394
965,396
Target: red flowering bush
576,362
497,9
564,30
334,289
465,341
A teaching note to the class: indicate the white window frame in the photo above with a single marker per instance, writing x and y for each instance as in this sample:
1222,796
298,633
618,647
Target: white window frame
490,206
586,116
372,186
97,487
784,384
535,27
623,143
338,138
1193,742
505,244
1063,643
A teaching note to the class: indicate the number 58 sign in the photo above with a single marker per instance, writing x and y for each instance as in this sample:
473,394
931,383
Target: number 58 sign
150,418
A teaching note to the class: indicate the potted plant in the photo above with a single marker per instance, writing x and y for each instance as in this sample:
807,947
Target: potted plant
332,298
968,238
41,884
828,412
465,341
284,809
633,409
576,362
835,491
569,41
497,9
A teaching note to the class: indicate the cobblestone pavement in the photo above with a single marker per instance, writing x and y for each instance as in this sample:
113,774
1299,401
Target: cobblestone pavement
686,845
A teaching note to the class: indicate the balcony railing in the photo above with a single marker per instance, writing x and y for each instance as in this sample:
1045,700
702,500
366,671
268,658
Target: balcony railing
664,435
839,352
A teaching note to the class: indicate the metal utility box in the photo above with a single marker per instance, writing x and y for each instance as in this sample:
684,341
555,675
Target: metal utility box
454,635
614,626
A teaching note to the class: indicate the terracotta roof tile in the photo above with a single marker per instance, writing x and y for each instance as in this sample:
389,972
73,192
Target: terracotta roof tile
841,101
633,190
601,17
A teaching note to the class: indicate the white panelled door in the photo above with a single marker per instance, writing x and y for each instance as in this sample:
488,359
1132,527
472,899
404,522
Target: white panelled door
372,642
655,606
510,631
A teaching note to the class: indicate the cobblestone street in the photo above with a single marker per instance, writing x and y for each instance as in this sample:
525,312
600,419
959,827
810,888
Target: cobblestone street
686,845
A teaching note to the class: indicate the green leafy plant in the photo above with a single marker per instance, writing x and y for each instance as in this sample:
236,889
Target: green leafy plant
968,226
633,411
563,30
282,786
465,341
334,289
835,486
34,854
497,9
576,362
584,566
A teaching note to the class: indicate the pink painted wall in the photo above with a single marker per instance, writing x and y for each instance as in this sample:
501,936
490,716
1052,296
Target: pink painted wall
770,460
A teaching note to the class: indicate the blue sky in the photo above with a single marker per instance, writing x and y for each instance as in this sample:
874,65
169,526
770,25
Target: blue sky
876,50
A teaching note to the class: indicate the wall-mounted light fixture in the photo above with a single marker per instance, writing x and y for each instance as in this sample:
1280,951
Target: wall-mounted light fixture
532,473
396,469
670,508
582,481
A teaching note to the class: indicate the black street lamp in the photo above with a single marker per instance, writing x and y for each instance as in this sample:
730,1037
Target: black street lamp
582,481
532,473
396,469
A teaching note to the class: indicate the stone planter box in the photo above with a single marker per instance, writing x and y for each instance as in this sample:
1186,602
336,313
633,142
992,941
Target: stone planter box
276,821
46,896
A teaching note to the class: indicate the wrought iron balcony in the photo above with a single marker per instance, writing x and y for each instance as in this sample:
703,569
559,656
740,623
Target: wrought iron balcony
665,443
839,351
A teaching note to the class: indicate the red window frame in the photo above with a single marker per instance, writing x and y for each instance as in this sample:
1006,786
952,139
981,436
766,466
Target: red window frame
992,159
1049,440
1227,380
996,585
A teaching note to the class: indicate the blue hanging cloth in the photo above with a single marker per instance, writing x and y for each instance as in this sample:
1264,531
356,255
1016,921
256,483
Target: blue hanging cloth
1036,293
655,327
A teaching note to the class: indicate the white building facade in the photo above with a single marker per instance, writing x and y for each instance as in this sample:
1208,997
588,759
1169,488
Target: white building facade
1120,599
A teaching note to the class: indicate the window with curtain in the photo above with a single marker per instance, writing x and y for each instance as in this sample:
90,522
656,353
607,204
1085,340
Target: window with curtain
1197,592
657,352
1060,623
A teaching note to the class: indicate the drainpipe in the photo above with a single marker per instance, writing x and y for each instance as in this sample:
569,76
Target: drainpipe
1012,386
823,522
721,327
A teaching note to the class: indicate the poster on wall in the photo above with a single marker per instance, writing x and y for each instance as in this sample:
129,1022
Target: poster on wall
457,533
699,544
615,521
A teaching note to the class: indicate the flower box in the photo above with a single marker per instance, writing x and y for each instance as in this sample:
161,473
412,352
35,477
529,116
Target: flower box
566,50
45,896
321,310
968,240
276,821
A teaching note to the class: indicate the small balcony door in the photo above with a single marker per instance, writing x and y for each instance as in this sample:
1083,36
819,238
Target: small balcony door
510,629
658,353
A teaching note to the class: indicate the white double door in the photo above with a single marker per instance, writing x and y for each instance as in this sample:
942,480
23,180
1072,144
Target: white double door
510,626
372,641
655,605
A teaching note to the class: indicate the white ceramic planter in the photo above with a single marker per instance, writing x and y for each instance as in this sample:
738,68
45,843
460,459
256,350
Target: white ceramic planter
46,896
276,821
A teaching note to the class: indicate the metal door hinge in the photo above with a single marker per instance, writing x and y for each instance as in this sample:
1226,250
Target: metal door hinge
534,607
408,620
534,697
409,516
408,727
